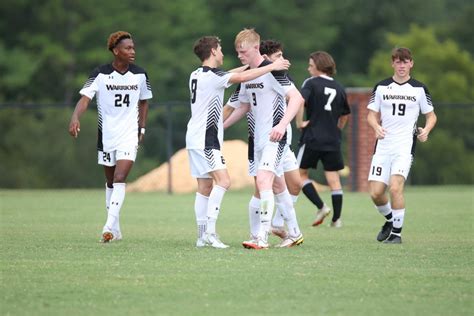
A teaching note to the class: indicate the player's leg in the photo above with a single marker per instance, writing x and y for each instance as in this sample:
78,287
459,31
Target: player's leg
333,162
379,174
307,159
221,184
254,212
284,202
400,169
122,169
204,187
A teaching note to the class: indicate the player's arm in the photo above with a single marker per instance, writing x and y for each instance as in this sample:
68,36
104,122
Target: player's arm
239,69
237,114
142,115
342,121
423,132
373,118
227,111
300,122
295,103
75,124
280,64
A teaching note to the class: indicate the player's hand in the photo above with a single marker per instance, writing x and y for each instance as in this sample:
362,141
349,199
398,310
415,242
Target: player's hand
74,127
422,134
380,132
277,133
281,64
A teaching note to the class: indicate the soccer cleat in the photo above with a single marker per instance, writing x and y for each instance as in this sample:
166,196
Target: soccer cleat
256,244
107,235
214,241
117,236
336,224
200,242
292,241
385,231
321,214
393,239
279,232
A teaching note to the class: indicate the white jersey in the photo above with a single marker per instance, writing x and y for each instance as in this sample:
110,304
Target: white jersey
205,128
117,95
399,106
267,97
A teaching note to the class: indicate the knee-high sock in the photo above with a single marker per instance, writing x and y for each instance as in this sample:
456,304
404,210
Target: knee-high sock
254,216
200,209
310,191
336,197
213,207
108,194
386,211
267,203
278,218
398,217
116,200
284,202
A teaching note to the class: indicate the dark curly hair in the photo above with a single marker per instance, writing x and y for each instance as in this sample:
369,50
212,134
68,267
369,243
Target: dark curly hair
115,38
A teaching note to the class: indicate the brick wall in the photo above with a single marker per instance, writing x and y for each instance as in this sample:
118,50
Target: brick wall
361,139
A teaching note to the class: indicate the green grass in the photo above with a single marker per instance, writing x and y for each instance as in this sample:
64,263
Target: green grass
52,263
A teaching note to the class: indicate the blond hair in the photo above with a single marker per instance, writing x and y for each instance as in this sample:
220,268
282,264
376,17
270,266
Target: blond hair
247,37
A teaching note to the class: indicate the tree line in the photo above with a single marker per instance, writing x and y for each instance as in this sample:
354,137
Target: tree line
48,48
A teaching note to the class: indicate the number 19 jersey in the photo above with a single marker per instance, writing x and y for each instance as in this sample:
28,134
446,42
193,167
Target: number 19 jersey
399,105
117,96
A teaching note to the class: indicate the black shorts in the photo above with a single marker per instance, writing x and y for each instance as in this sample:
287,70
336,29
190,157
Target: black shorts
308,158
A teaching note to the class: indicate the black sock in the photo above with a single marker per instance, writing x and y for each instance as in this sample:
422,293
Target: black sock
310,191
336,206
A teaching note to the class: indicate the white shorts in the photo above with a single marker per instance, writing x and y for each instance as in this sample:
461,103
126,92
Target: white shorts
203,161
384,166
289,161
269,158
109,159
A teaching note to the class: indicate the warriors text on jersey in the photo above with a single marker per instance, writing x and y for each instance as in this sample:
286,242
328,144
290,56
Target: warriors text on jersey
399,105
266,95
117,96
205,128
325,102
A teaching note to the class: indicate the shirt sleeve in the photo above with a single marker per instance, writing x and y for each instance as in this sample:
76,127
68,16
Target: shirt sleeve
145,89
426,105
284,84
243,97
91,86
374,102
234,98
306,90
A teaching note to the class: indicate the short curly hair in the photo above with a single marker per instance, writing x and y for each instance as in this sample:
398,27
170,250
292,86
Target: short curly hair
269,47
115,38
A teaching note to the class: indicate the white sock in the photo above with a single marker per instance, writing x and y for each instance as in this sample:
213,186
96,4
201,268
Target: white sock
254,216
294,198
284,202
200,209
108,194
385,210
213,208
398,217
116,201
278,220
267,203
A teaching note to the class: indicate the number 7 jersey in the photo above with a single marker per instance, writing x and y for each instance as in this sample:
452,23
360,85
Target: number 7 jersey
117,95
399,105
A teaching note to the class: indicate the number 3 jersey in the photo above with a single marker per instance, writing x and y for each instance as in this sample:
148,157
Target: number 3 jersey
205,128
399,105
117,95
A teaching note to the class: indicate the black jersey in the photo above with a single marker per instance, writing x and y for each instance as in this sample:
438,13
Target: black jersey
325,102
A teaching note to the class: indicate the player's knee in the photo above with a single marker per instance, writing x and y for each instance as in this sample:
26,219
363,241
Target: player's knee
396,190
120,177
224,183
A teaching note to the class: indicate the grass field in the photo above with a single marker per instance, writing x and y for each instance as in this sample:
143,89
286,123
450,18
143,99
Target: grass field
52,263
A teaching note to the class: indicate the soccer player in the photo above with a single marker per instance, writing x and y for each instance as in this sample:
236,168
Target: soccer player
265,98
123,90
204,134
271,50
394,108
327,112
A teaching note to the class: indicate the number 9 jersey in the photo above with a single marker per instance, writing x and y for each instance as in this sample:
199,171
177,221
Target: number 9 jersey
399,106
117,95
